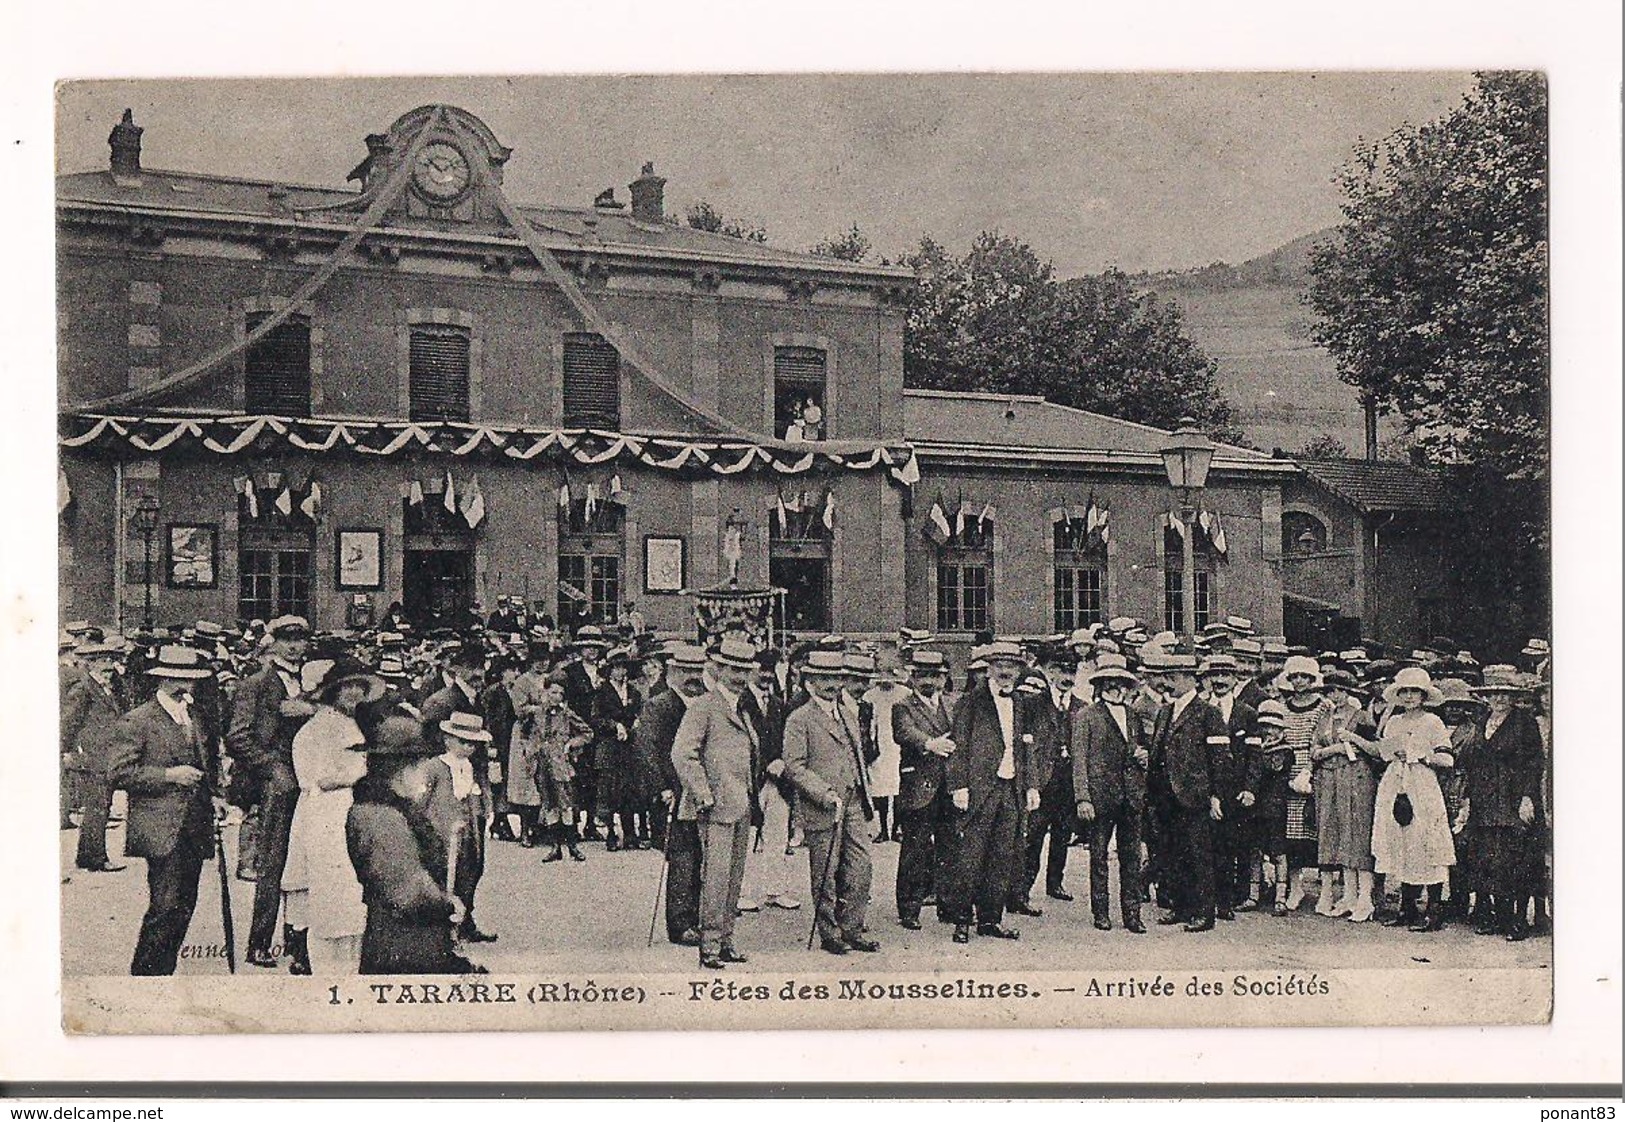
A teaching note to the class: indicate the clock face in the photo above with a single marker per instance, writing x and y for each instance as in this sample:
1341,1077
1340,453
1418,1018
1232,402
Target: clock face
441,173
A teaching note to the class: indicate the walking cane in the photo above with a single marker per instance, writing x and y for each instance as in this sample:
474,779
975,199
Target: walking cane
829,869
665,864
225,899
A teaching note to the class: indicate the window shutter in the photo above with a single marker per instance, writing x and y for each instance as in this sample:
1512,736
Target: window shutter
438,382
276,371
592,383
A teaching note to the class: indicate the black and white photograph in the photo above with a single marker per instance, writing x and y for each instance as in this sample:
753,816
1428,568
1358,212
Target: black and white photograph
818,550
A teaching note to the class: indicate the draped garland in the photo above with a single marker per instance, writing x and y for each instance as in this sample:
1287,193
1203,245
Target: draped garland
227,436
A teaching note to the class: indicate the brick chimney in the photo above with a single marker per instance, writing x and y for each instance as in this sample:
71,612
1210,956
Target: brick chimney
648,196
125,141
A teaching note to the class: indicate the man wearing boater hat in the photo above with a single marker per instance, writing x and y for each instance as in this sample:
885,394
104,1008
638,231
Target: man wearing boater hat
1108,775
265,714
824,758
717,760
920,725
992,784
160,758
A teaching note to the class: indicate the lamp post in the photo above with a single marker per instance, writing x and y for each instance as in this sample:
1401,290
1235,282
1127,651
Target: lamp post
144,521
1186,459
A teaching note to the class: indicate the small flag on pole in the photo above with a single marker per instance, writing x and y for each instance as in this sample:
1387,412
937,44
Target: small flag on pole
829,510
415,494
778,509
473,503
450,499
64,493
564,495
284,500
311,504
250,498
938,519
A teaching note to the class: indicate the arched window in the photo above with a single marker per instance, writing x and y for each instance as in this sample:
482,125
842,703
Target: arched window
1302,534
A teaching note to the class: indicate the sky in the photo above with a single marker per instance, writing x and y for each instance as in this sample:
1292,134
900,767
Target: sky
1138,171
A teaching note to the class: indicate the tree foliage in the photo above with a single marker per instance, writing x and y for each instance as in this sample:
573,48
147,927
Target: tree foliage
1432,293
1324,447
703,216
849,245
997,320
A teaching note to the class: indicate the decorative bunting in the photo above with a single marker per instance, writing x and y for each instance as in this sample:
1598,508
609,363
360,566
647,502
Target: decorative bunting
236,435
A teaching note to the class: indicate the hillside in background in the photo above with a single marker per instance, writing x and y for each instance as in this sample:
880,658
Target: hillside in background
1251,319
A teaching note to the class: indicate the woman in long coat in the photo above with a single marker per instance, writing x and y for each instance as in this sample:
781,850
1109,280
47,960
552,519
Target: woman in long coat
1410,837
400,860
1345,786
324,909
1503,804
546,744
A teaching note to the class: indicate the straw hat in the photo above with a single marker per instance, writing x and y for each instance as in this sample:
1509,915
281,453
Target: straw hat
1503,679
1454,691
1271,712
1412,678
928,662
179,662
1112,668
824,664
1003,651
466,726
735,652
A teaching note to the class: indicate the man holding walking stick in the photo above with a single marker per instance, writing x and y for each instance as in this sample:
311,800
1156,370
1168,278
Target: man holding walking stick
823,759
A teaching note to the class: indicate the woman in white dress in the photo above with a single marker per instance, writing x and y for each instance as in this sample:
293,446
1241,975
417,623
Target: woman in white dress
324,909
1410,837
885,776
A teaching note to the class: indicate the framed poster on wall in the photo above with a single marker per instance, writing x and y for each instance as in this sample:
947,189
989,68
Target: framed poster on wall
665,564
360,558
190,556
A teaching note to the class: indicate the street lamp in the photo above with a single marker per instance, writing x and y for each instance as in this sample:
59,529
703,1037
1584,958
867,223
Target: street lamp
1186,459
144,521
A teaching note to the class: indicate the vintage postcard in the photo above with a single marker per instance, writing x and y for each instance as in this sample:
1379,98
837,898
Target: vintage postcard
804,551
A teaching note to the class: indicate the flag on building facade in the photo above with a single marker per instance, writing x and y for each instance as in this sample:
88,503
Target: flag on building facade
473,508
311,504
449,499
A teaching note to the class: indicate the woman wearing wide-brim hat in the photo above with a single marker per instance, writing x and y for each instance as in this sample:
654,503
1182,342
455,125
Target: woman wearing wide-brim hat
1345,786
1410,836
1463,714
400,859
1299,684
1504,803
322,902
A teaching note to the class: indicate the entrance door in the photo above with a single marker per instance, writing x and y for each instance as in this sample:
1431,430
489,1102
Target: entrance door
439,587
806,583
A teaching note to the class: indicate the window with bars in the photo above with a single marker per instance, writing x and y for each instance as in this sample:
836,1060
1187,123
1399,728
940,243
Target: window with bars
438,379
1080,575
799,393
592,383
276,369
274,575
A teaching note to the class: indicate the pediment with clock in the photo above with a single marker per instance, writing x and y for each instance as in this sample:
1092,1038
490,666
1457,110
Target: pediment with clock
449,175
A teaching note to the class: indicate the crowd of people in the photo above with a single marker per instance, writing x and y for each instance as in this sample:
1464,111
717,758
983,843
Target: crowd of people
371,770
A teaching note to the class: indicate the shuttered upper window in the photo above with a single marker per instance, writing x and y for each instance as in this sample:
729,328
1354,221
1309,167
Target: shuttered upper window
798,393
592,383
438,382
276,369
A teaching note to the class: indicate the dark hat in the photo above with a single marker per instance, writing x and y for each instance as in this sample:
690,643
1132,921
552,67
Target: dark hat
768,659
1339,679
400,736
344,670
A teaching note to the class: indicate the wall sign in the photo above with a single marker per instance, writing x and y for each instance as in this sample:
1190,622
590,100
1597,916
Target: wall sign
190,556
665,564
360,558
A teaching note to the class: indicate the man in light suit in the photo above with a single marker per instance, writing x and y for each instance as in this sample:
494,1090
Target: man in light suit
265,714
717,760
161,759
824,759
920,726
1190,756
992,783
1108,779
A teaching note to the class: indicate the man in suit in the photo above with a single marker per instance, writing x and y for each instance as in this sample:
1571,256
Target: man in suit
90,711
656,734
265,714
583,677
920,726
992,784
769,880
1052,822
716,757
1190,755
158,755
1232,867
1109,762
824,760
